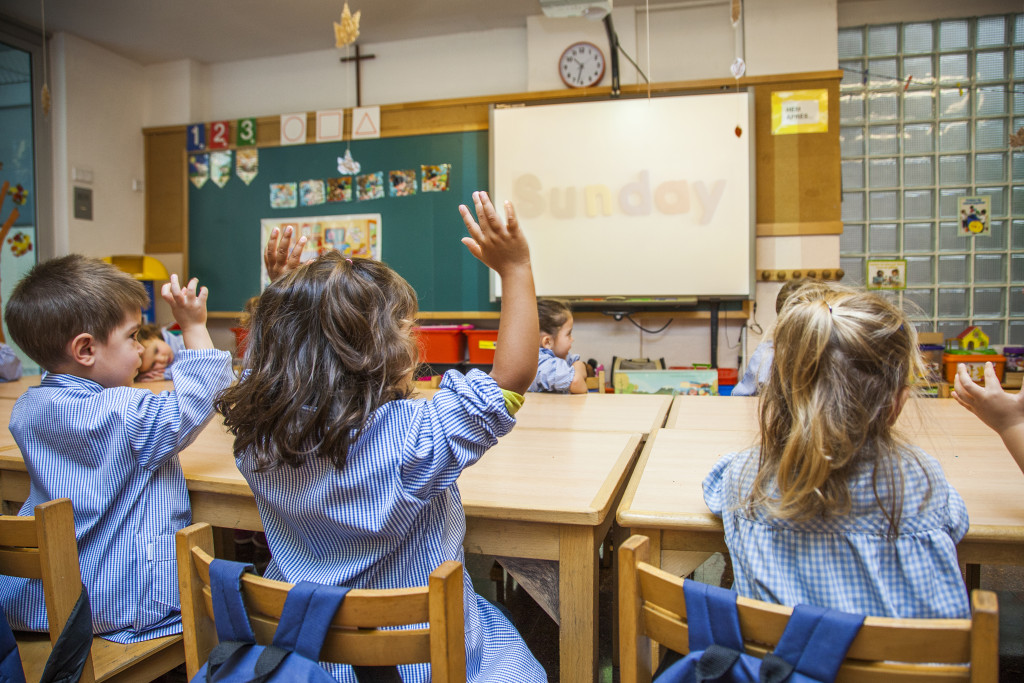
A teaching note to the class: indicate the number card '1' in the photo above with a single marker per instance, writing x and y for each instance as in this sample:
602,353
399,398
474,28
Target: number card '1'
245,132
196,137
220,134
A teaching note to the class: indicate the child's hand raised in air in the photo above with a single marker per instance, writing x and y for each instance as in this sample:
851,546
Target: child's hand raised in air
500,246
281,255
188,304
1001,411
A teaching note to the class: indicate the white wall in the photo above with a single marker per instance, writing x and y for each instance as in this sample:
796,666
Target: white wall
97,109
108,101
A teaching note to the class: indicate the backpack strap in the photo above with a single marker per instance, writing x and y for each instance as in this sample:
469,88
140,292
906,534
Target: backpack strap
305,622
711,617
69,653
229,614
815,642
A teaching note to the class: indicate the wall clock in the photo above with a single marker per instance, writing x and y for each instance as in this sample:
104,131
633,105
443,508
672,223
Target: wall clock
581,65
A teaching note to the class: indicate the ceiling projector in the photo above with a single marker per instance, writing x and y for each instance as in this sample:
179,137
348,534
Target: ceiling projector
560,9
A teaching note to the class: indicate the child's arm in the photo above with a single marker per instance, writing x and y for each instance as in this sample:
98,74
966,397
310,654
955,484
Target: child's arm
503,248
189,308
281,255
579,378
1001,411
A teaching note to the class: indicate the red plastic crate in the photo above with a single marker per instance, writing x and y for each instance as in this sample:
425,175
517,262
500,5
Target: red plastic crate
442,343
481,345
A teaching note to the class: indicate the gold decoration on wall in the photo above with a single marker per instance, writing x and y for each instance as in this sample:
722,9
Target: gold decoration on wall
347,31
816,273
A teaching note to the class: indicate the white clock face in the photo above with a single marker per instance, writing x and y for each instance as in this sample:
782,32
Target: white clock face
581,65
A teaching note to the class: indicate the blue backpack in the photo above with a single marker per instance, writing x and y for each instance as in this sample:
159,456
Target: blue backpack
68,656
811,649
292,657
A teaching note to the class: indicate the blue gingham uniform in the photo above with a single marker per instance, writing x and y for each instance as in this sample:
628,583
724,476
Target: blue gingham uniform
393,513
113,452
554,374
847,563
759,369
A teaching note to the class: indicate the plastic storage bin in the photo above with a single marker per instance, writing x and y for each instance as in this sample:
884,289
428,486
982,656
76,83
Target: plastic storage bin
1014,358
975,362
481,345
442,343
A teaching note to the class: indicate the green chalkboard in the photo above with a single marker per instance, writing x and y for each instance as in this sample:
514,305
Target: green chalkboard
420,234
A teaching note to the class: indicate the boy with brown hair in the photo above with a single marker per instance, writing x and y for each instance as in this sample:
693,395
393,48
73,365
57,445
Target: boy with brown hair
87,434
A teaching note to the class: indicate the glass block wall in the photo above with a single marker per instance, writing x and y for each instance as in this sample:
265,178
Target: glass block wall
926,113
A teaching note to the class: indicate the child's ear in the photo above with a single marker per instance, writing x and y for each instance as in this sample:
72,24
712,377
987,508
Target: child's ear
82,349
901,400
547,341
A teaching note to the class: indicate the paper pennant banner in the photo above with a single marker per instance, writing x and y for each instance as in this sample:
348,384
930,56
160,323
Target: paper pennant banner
330,125
220,167
199,169
365,123
247,164
293,128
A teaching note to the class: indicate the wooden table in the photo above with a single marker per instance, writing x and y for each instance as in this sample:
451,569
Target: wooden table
664,499
17,387
538,494
591,412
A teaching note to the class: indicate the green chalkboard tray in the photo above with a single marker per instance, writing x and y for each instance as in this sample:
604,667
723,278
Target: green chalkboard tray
420,234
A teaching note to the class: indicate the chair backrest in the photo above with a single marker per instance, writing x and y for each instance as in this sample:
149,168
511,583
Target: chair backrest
357,634
43,547
652,608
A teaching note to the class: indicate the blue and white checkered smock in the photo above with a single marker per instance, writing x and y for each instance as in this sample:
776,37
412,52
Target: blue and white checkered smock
393,513
113,452
847,563
554,374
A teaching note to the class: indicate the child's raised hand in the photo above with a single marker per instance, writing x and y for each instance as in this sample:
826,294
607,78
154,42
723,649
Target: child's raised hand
500,246
282,255
188,304
996,408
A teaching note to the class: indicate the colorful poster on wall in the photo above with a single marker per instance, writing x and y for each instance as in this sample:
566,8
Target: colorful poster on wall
220,167
283,196
370,186
886,274
199,169
339,189
311,192
974,216
247,164
17,257
435,178
799,111
355,236
402,183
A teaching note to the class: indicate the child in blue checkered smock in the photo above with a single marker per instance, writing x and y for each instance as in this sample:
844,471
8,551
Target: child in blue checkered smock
833,508
355,480
87,434
558,371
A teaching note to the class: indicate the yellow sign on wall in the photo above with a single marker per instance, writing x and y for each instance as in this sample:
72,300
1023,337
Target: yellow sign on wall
799,111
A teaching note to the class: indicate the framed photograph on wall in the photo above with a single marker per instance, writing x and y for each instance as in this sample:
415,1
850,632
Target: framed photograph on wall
886,274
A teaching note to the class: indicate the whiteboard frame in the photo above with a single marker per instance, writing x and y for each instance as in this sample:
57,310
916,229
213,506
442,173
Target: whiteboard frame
595,259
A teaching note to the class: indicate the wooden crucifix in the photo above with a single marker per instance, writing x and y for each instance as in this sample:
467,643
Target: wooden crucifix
358,58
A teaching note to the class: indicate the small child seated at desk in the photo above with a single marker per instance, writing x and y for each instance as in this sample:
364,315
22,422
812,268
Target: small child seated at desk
160,346
86,434
834,508
558,371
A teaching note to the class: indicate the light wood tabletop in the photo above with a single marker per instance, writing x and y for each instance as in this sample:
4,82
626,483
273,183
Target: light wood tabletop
538,494
17,387
664,499
591,412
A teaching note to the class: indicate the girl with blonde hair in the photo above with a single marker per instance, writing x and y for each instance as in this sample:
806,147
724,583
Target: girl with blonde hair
834,508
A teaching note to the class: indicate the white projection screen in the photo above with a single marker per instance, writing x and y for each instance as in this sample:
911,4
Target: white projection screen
631,198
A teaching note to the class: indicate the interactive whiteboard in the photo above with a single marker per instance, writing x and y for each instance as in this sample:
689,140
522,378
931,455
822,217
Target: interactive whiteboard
632,198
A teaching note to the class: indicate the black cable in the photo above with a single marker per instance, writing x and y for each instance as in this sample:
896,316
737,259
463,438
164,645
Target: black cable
629,317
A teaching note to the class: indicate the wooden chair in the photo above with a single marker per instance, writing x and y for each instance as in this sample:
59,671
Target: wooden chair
596,383
652,607
356,635
43,547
